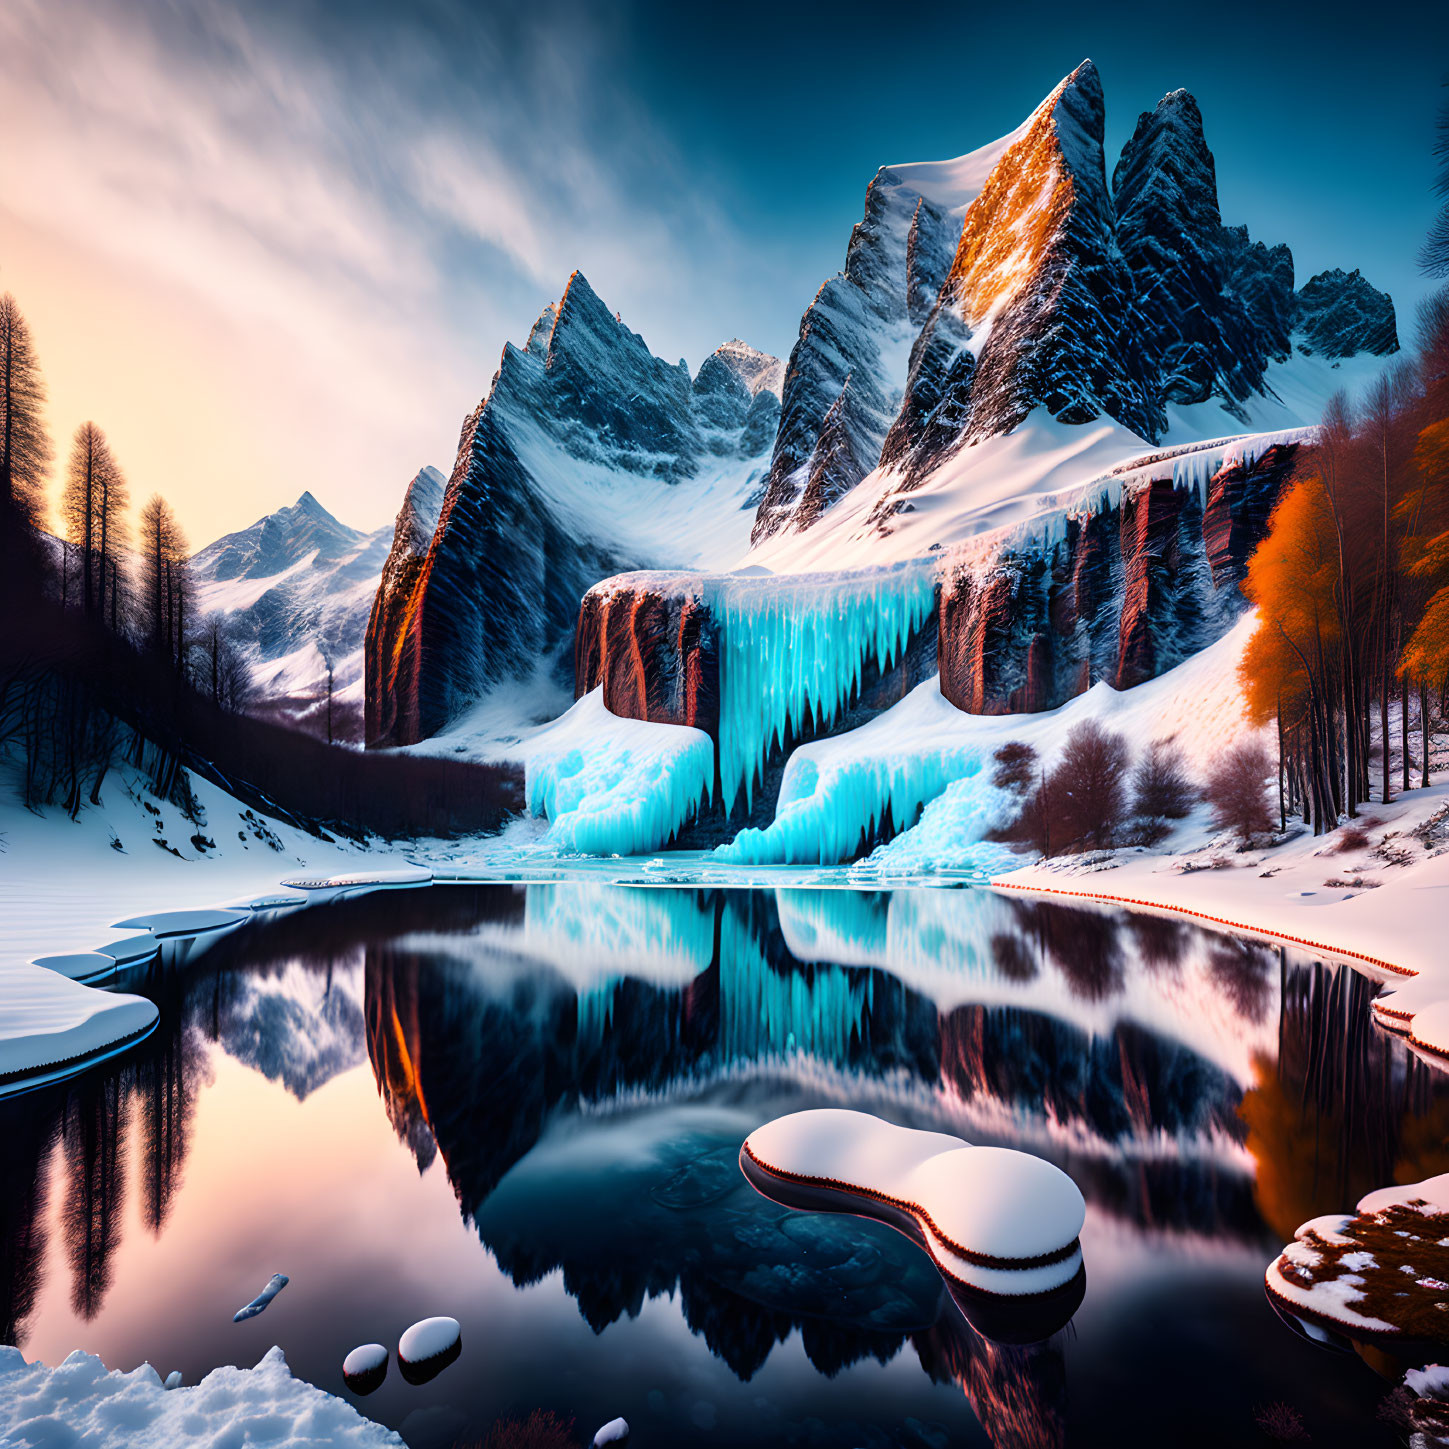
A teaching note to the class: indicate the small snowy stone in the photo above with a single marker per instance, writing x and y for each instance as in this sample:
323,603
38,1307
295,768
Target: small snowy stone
173,1380
1429,1383
428,1347
364,1369
275,1284
616,1431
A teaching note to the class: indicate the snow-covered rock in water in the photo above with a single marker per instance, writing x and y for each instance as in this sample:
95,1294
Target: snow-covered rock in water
295,590
54,1027
1376,1276
588,455
1338,314
616,1431
428,1347
993,1220
275,1284
365,1368
81,1403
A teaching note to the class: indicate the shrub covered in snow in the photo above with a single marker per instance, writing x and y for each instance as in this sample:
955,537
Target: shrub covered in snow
1162,791
1237,790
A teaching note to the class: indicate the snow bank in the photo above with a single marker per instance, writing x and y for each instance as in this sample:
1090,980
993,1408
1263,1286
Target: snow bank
996,1220
80,1402
55,1027
612,786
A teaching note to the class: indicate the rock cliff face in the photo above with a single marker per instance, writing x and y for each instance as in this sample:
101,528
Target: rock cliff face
1063,297
1130,591
1038,308
1340,314
1214,308
843,383
574,467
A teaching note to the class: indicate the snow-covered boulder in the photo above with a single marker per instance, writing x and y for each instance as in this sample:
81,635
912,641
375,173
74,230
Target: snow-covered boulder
993,1220
1380,1275
428,1347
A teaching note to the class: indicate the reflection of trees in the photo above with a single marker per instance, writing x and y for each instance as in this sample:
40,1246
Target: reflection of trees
1019,1395
1243,971
165,1098
92,1136
1343,1110
26,1139
1084,945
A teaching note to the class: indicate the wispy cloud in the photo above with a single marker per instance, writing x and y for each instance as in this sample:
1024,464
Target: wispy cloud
355,210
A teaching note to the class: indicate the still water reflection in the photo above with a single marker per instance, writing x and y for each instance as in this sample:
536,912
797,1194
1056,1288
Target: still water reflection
522,1106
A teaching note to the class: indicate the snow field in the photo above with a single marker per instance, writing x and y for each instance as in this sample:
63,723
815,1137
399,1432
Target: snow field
80,1402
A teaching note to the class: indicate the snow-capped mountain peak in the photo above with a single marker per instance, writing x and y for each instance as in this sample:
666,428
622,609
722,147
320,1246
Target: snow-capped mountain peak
273,544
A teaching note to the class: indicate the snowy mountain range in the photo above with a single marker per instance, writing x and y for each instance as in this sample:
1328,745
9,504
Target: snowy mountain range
1016,340
296,588
587,456
1026,441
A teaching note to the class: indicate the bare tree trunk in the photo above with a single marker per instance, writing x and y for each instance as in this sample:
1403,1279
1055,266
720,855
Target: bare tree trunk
1424,734
1404,732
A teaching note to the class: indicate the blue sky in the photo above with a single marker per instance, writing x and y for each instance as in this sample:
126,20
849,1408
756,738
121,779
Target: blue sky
277,246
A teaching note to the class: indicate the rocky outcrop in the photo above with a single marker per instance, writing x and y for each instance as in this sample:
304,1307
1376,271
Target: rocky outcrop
840,392
654,651
1131,590
1038,308
1338,314
653,643
562,472
1061,295
1213,306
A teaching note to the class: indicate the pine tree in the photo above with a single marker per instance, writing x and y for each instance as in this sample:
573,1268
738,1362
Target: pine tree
93,509
25,450
165,579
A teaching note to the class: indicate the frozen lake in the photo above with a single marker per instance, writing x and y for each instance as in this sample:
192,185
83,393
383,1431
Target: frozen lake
521,1106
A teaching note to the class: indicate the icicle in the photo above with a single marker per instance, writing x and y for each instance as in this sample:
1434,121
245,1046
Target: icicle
793,651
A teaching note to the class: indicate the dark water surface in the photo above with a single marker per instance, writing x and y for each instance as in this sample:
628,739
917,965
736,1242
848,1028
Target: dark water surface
522,1106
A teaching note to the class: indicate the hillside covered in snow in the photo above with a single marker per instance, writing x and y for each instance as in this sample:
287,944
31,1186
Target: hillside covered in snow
295,590
1026,444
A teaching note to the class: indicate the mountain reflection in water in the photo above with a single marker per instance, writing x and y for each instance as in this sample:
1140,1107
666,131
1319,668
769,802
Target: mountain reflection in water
579,1059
